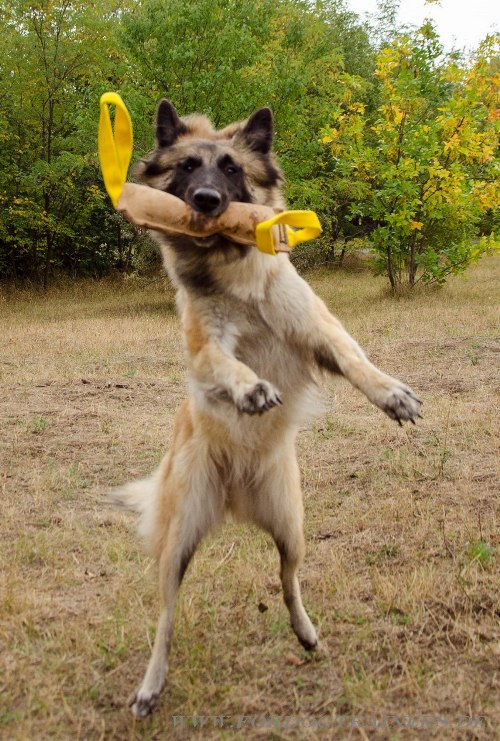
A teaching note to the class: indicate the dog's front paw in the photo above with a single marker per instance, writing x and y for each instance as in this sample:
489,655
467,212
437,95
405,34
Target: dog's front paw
142,702
399,402
258,398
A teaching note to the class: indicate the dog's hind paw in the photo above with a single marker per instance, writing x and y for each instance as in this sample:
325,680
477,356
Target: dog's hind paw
142,703
259,398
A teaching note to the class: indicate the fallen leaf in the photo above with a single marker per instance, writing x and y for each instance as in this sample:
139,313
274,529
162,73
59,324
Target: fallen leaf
325,535
293,660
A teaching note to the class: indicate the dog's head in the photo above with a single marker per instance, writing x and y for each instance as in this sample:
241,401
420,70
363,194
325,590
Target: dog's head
209,169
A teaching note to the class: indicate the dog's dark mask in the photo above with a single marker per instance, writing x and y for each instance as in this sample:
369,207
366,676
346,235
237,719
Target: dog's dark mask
207,182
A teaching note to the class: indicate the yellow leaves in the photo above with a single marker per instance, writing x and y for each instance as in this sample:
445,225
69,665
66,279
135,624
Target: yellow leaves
398,115
487,153
95,191
357,108
487,243
403,220
437,171
347,95
362,170
476,252
485,201
486,194
452,73
452,144
329,138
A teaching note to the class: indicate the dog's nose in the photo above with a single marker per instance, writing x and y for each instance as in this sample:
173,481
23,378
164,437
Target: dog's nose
206,200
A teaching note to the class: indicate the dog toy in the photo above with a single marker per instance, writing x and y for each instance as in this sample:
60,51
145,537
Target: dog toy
245,223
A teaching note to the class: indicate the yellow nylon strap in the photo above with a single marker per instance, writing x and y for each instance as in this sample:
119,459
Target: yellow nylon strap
115,147
306,221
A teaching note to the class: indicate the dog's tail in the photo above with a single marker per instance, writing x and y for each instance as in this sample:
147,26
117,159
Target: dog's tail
135,496
138,496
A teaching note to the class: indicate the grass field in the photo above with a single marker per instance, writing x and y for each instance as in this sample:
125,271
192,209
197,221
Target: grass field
402,526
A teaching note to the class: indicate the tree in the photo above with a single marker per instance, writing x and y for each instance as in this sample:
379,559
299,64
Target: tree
225,58
53,54
220,57
418,175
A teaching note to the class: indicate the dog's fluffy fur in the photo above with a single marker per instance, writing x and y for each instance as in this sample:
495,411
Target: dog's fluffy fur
256,339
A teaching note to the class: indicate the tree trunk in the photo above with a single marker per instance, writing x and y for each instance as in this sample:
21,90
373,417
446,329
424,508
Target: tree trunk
412,266
342,252
390,268
48,258
49,245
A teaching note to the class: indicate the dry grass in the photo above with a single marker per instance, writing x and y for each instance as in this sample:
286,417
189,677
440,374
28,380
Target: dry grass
401,575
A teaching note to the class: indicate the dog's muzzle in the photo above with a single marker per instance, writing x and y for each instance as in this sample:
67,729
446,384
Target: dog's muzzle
208,201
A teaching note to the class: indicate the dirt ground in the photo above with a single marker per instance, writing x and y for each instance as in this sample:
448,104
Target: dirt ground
402,527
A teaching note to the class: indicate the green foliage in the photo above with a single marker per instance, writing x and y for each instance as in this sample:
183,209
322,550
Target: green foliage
408,158
220,57
227,58
417,174
54,59
481,552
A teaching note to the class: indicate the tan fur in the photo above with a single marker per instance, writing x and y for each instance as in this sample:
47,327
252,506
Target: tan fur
255,347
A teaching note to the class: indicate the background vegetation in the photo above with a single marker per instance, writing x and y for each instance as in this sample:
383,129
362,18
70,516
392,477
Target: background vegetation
389,139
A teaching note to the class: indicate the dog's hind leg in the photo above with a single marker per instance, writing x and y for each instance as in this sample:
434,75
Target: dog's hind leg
195,506
277,508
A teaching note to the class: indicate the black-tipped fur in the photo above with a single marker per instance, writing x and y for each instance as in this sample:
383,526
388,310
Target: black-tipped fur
168,124
259,130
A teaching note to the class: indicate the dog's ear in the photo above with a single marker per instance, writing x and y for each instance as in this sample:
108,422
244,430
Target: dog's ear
258,131
168,124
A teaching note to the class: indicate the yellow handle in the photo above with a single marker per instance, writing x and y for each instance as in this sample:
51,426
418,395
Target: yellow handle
115,147
306,221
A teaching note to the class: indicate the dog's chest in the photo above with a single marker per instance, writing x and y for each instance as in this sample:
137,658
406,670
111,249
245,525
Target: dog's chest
270,353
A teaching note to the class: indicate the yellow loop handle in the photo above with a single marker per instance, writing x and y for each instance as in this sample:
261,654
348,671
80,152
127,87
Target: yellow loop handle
115,147
306,221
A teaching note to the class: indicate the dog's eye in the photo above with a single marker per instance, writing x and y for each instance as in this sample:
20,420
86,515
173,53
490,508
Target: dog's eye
190,164
227,165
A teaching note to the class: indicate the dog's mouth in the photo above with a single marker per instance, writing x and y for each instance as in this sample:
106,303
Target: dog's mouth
206,241
207,205
205,222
